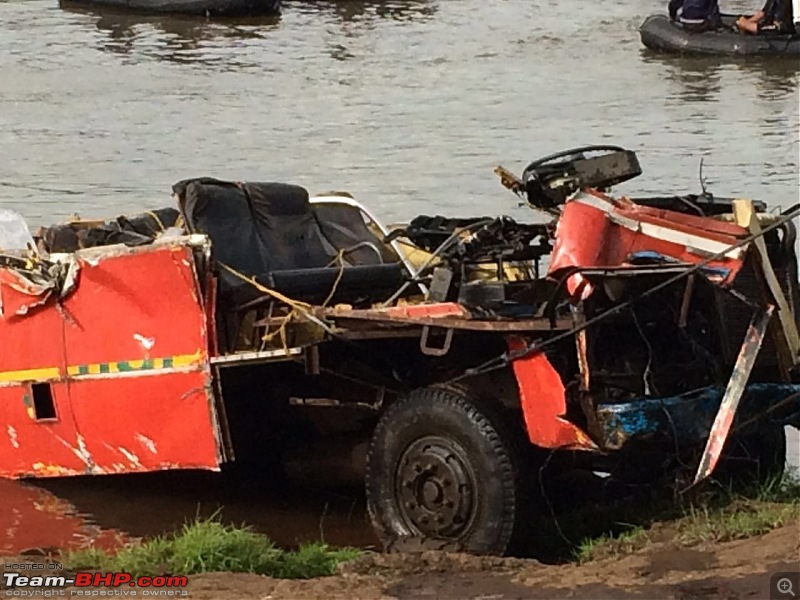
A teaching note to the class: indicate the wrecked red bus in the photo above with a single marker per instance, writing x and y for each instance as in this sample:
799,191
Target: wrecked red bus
442,359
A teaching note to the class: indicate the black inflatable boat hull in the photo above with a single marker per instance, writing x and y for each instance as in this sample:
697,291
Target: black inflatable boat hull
232,8
660,34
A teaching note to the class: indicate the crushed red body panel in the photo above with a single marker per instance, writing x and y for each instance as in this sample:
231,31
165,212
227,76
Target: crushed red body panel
595,230
77,378
19,295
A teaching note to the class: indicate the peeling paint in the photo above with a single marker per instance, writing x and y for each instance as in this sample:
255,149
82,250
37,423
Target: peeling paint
147,343
40,468
82,452
131,457
147,443
12,436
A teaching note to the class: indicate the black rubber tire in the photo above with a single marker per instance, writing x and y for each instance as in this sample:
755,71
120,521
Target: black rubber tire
751,461
415,432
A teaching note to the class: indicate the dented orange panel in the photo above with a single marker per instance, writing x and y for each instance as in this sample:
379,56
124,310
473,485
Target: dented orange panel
122,368
543,402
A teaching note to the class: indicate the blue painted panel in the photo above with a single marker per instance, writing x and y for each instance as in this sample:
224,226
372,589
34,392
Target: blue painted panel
688,417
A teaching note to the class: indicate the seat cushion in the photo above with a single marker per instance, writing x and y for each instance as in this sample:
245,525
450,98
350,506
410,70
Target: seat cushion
255,228
268,231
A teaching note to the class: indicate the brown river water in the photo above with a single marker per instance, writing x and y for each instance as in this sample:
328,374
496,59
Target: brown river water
407,104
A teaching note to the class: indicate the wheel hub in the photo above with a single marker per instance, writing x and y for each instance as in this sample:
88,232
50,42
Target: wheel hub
435,486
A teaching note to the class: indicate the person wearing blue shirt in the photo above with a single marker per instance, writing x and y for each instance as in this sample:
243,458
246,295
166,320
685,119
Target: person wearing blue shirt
696,15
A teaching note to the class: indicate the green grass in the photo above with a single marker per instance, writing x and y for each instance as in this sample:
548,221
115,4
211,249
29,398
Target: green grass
210,546
716,516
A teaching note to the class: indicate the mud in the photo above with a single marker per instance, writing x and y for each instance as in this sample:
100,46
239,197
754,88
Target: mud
66,513
729,571
107,511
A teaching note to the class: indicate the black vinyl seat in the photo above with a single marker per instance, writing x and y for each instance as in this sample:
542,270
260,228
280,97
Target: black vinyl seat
269,231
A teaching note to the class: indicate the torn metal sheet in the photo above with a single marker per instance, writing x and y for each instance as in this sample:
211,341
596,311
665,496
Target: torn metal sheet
543,402
22,290
121,385
733,393
595,230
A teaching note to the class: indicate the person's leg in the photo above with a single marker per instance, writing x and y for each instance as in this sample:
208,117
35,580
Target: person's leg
750,24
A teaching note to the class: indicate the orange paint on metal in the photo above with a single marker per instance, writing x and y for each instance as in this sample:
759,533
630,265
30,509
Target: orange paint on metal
543,401
442,309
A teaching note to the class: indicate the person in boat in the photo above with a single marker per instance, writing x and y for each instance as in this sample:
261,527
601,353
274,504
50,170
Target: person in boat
696,15
775,17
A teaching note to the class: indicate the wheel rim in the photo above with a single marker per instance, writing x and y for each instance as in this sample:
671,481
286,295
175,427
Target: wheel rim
435,488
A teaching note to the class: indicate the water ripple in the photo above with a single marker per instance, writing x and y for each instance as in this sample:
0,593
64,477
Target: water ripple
406,103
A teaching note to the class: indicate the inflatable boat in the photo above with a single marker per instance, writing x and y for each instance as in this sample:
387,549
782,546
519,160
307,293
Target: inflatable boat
660,34
208,8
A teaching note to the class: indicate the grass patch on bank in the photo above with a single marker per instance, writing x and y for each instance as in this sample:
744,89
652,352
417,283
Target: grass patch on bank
211,546
719,516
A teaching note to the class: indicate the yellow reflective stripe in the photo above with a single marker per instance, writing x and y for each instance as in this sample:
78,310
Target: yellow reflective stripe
122,366
30,374
186,360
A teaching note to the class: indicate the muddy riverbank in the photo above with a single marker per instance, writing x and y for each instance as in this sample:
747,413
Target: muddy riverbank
736,570
730,571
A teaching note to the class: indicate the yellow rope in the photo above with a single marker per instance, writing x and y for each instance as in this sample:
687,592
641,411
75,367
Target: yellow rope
264,289
296,306
156,219
340,259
